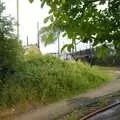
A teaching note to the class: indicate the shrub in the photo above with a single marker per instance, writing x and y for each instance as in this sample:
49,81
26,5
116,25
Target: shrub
47,78
10,48
10,56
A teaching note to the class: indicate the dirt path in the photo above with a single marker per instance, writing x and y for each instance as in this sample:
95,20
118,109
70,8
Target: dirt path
55,110
111,87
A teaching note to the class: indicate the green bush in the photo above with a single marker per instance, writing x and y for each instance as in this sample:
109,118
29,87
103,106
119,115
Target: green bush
47,78
10,47
10,55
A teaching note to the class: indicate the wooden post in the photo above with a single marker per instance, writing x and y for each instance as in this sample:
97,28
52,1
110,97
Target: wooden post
27,41
58,45
18,19
38,36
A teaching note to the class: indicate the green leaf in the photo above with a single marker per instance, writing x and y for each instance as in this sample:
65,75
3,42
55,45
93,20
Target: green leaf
31,1
46,19
63,1
68,46
64,47
43,3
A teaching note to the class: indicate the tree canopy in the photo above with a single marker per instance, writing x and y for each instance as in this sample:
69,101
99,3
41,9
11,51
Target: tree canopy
82,20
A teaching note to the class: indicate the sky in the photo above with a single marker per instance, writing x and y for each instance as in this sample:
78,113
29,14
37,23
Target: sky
30,14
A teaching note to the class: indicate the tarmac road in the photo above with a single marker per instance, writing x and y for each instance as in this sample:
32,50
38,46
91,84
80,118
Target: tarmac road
112,114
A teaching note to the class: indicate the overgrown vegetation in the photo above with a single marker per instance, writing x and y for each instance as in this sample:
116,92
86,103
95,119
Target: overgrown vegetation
46,78
32,77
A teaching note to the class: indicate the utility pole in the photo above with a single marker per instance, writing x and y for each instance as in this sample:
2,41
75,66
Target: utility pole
58,45
27,41
18,19
91,53
38,36
75,46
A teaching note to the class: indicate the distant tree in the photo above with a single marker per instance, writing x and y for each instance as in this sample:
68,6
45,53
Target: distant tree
9,46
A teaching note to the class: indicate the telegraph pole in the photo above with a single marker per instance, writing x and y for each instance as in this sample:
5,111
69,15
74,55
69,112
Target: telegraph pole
75,46
27,41
18,19
38,36
58,34
58,45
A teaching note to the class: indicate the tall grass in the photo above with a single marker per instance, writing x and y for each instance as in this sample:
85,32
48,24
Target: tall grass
47,78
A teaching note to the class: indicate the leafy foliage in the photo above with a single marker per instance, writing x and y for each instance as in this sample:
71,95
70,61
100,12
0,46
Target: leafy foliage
6,23
49,34
10,48
47,78
82,20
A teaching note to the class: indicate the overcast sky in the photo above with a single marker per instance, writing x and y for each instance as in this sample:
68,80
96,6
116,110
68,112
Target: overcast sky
30,14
